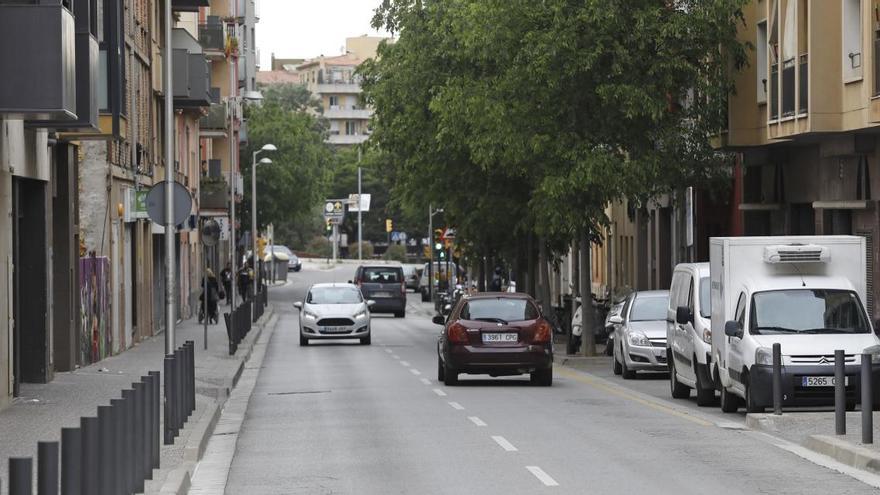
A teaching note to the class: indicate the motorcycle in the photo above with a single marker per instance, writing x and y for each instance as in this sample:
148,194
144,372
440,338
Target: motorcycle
601,332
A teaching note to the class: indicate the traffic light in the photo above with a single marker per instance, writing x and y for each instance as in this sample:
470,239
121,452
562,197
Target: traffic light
388,225
329,225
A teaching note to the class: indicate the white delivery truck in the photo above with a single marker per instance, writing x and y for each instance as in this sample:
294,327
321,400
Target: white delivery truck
806,293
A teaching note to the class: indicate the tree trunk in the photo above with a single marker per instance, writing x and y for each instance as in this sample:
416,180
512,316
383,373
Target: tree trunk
589,334
543,288
481,281
530,260
576,273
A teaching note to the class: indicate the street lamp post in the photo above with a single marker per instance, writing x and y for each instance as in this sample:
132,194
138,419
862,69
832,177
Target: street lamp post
431,213
254,163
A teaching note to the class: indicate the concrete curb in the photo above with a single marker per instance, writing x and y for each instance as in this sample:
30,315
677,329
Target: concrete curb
179,479
844,452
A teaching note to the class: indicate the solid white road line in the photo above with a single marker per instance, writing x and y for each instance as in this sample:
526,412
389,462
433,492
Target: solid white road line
504,443
439,392
426,381
542,476
457,406
477,421
405,363
415,371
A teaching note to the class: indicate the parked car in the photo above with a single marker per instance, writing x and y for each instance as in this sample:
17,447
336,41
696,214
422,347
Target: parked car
610,327
689,333
640,340
441,279
293,262
334,311
413,275
496,334
385,285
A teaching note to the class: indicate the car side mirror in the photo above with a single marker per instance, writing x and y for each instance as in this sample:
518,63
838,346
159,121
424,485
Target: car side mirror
370,302
616,320
447,309
439,320
350,282
298,305
683,315
732,329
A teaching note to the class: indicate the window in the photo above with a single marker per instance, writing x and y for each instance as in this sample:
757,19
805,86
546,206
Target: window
807,311
382,276
506,309
334,295
649,308
705,298
852,39
350,128
740,312
334,102
761,62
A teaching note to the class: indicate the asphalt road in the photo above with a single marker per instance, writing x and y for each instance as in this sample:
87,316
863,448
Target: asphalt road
343,418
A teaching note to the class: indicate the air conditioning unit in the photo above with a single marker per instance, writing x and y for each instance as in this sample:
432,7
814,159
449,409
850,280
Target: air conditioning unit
796,253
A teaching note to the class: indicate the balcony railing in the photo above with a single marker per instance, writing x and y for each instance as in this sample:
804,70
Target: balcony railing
212,37
213,193
788,70
803,86
216,119
774,91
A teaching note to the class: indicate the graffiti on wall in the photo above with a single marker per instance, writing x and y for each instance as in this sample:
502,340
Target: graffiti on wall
96,340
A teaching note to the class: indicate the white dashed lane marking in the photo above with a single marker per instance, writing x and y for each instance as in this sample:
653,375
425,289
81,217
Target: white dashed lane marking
426,381
405,363
389,351
457,406
439,392
542,476
504,443
477,421
395,356
415,371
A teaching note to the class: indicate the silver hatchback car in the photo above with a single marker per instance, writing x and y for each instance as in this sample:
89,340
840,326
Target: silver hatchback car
334,311
640,334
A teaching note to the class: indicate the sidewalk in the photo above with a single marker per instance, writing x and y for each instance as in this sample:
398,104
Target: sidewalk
43,409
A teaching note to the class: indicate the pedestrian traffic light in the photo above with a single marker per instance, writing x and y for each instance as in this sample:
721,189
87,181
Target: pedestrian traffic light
329,225
388,225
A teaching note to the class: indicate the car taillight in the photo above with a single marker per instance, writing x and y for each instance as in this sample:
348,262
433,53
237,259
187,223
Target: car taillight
403,288
457,333
542,333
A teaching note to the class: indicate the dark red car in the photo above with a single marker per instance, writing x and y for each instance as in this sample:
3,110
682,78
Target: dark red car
496,334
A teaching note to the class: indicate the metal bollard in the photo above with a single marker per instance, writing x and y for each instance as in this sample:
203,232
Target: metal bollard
47,468
128,441
119,447
147,427
777,379
192,376
137,447
154,430
168,400
106,431
20,476
89,460
839,392
71,452
178,393
184,379
867,405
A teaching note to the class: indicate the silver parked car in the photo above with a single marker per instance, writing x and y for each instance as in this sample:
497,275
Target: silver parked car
334,311
640,336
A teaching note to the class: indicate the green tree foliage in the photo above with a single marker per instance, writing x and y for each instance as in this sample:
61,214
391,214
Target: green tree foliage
533,121
291,97
395,252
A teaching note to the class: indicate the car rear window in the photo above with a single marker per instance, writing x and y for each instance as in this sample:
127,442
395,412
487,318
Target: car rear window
501,308
381,275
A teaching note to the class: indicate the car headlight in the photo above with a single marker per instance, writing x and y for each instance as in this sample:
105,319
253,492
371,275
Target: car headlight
360,314
764,355
707,336
639,339
309,315
874,351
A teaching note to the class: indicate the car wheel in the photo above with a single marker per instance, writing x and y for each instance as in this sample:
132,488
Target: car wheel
676,388
303,341
615,364
425,297
441,371
628,374
365,340
609,346
705,395
543,378
450,377
751,406
400,314
729,402
574,343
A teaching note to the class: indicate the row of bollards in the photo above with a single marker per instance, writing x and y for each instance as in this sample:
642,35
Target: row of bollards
238,324
108,454
261,298
866,402
180,389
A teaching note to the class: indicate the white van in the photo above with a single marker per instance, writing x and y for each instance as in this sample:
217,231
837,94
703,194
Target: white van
805,293
689,333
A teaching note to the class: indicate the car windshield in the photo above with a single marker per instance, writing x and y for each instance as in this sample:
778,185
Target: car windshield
649,308
334,295
705,298
501,310
808,311
381,275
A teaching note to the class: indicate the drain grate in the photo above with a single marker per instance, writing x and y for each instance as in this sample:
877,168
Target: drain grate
301,392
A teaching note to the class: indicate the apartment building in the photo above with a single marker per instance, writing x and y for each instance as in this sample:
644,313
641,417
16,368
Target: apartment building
333,81
805,118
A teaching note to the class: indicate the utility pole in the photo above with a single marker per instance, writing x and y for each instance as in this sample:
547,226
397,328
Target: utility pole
335,241
233,247
431,251
360,213
170,317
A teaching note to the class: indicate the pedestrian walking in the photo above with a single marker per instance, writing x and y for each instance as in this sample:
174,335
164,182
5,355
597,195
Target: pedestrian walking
226,280
214,294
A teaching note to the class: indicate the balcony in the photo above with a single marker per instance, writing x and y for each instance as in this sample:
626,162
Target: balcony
212,37
213,193
337,88
37,62
189,5
353,113
346,139
788,70
803,84
191,72
774,91
214,124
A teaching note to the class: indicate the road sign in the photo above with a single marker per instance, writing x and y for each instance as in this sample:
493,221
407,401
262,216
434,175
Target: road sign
395,236
156,203
363,205
334,209
210,233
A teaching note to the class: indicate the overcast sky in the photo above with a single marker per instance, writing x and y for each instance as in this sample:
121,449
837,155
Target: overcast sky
308,28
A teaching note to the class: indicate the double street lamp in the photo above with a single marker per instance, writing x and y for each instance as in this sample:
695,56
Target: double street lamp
266,147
